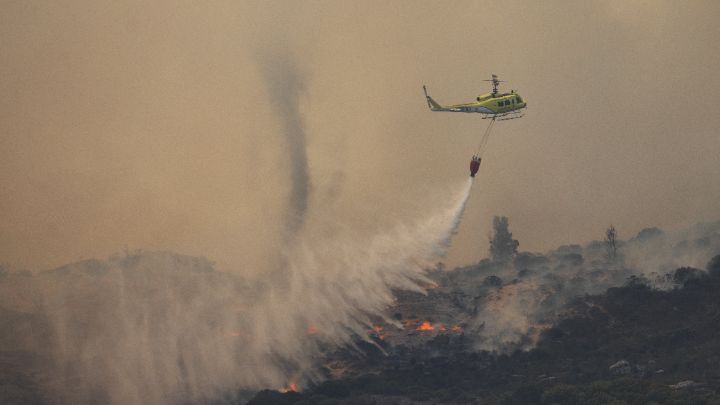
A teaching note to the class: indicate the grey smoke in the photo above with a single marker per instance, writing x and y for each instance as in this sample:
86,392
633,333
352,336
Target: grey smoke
537,286
162,328
286,84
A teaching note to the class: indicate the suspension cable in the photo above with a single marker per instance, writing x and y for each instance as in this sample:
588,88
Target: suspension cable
485,137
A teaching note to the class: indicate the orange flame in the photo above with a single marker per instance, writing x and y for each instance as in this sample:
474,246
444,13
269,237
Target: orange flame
377,331
292,387
312,330
426,326
457,329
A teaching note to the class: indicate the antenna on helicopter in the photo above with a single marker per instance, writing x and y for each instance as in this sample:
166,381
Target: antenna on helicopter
495,83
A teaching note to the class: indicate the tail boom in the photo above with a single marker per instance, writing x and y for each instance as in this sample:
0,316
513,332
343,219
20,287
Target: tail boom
432,104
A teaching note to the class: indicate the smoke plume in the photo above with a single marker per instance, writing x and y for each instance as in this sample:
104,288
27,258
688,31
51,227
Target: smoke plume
285,84
537,287
163,328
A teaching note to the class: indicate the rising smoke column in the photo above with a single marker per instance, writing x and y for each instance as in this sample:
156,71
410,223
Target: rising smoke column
311,268
332,286
285,84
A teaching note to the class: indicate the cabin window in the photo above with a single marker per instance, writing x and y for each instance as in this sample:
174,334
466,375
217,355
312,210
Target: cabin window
500,104
519,100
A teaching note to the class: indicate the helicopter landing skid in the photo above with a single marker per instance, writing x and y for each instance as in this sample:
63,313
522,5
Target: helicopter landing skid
505,116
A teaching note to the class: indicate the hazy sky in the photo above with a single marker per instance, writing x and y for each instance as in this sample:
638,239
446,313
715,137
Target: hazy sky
157,126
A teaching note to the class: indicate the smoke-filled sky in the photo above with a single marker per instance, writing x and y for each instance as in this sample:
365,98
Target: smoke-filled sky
182,126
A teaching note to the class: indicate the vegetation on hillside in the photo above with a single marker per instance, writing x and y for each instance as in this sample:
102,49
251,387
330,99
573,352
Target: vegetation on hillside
630,345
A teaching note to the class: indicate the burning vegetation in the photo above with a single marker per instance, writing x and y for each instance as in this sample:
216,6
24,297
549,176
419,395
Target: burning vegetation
630,344
552,307
426,326
291,387
483,331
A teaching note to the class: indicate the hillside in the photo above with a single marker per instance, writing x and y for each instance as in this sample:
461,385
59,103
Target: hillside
572,325
631,344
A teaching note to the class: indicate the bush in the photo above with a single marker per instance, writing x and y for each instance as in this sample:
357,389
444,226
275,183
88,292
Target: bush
492,281
684,274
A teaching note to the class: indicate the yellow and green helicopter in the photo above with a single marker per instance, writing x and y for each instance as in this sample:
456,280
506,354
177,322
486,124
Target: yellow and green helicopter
495,105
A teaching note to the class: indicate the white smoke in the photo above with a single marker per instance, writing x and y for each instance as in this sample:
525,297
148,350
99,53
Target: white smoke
537,288
160,328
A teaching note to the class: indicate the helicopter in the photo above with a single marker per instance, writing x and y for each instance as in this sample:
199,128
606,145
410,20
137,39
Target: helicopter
495,105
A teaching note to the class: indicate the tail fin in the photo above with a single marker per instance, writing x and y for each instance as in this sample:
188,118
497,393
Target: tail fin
431,103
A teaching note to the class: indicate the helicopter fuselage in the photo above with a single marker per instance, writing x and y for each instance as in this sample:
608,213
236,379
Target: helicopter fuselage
485,104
